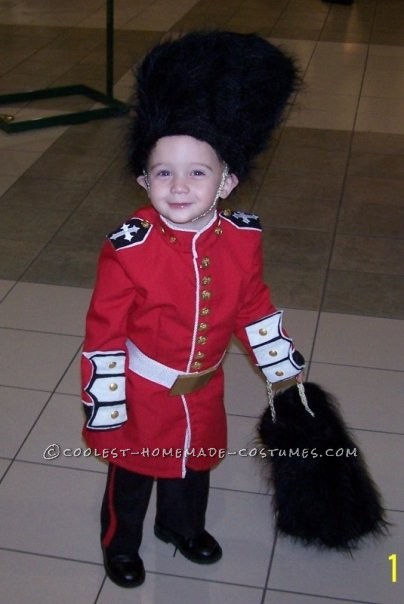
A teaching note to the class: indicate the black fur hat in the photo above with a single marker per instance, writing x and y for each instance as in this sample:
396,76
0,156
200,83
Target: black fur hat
224,88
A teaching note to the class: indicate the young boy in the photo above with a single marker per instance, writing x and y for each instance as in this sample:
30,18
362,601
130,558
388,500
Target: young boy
174,283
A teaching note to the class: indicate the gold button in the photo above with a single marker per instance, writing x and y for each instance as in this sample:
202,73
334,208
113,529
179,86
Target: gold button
201,340
273,353
173,239
145,224
206,294
205,262
112,365
263,331
226,212
218,230
206,280
197,365
200,355
113,387
202,326
279,373
205,311
114,414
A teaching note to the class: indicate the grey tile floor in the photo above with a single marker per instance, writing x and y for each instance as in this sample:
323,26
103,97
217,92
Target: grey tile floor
329,192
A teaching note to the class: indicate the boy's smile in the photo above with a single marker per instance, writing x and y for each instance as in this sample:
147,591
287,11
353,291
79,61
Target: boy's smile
184,179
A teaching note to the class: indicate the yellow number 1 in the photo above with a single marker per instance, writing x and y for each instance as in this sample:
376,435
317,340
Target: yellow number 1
393,558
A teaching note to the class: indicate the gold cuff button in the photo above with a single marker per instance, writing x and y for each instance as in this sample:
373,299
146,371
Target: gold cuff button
113,387
112,365
263,331
273,353
279,373
114,414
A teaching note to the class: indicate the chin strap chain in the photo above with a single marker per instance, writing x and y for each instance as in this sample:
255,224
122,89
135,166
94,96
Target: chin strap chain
302,394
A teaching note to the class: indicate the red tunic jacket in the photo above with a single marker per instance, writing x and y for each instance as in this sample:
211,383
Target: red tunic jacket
179,296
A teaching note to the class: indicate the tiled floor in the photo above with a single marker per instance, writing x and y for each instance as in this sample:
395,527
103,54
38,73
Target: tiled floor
330,195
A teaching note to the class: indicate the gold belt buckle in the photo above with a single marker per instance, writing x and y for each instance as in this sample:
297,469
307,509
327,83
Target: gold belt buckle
185,384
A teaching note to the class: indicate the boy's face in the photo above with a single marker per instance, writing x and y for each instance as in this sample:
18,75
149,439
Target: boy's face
184,176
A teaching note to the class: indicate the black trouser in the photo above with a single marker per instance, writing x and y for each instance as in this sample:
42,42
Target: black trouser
181,507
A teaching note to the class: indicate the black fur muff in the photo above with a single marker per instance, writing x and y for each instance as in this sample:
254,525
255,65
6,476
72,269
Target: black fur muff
323,492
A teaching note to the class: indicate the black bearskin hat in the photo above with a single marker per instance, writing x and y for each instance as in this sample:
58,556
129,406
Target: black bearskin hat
224,88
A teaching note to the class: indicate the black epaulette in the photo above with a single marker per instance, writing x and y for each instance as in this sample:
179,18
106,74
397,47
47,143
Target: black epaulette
242,220
132,232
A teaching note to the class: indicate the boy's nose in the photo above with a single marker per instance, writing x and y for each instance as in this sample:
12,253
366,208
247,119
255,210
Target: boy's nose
179,185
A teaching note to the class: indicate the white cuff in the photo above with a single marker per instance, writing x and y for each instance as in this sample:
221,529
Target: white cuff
272,349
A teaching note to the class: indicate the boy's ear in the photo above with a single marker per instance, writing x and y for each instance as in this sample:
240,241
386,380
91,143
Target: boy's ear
230,183
141,180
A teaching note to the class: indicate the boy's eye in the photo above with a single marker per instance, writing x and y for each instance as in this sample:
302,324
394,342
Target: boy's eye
163,173
198,173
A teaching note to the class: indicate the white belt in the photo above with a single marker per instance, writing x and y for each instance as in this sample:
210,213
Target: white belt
179,382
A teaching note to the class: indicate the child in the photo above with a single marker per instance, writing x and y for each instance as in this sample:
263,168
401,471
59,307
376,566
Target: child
174,283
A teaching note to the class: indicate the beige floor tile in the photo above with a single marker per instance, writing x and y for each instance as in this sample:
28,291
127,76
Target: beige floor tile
277,597
16,162
386,469
243,468
44,580
370,399
380,115
52,511
4,465
245,392
20,410
364,577
359,341
161,589
371,219
62,265
330,111
364,293
70,382
43,357
5,287
16,256
56,438
368,254
294,285
66,308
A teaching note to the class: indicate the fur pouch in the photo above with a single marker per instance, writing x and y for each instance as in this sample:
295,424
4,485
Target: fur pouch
324,495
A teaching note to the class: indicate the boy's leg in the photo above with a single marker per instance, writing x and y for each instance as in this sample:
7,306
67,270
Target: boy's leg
180,519
124,507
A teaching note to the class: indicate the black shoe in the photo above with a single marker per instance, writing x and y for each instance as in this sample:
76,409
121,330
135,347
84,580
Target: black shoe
203,549
124,570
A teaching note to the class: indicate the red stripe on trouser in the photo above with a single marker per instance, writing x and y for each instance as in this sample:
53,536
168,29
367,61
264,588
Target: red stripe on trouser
112,519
